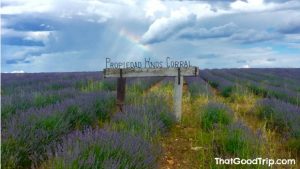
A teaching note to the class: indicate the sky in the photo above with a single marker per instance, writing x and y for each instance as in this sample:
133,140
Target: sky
77,35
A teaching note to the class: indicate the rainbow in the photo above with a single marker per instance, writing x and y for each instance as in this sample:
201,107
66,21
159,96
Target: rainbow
133,39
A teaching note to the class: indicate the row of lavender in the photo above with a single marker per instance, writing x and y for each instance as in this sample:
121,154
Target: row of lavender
280,90
222,134
282,84
27,134
43,136
36,82
232,137
38,109
127,141
23,91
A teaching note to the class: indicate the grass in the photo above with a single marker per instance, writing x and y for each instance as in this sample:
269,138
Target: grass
243,102
221,134
146,114
44,100
92,86
215,115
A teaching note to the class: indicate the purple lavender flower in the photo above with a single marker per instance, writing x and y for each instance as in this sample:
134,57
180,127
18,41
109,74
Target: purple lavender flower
281,116
104,148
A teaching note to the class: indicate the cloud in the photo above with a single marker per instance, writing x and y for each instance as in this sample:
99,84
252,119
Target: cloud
16,61
278,1
30,22
241,61
153,7
246,66
291,27
45,36
264,5
254,36
25,6
208,56
165,27
220,3
18,71
230,31
21,42
24,38
271,59
250,5
215,32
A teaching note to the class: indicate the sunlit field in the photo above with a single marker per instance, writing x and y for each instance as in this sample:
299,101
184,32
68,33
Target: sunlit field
70,120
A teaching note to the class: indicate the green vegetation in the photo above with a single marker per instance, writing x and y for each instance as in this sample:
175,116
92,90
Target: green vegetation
215,115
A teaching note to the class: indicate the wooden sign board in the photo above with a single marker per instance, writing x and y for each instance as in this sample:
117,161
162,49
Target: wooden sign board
146,72
178,73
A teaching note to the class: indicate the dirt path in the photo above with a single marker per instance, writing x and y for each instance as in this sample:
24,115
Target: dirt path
180,146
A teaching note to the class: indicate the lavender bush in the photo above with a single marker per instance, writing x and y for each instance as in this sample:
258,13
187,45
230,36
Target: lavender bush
282,84
224,86
150,119
98,148
281,116
136,87
239,141
215,115
26,134
198,87
39,82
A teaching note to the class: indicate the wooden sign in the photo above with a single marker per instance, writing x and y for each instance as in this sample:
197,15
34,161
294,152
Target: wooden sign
146,72
178,73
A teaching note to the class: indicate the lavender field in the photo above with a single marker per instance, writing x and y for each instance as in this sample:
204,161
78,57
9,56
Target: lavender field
70,120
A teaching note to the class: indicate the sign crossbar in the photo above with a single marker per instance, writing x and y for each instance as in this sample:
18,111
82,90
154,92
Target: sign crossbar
146,72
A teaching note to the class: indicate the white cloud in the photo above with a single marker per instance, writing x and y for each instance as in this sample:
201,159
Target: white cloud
180,17
251,5
153,7
164,27
263,5
87,31
27,35
18,71
26,6
245,66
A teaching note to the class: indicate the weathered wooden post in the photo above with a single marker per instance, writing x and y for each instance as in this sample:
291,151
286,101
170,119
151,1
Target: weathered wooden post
178,73
121,86
178,84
